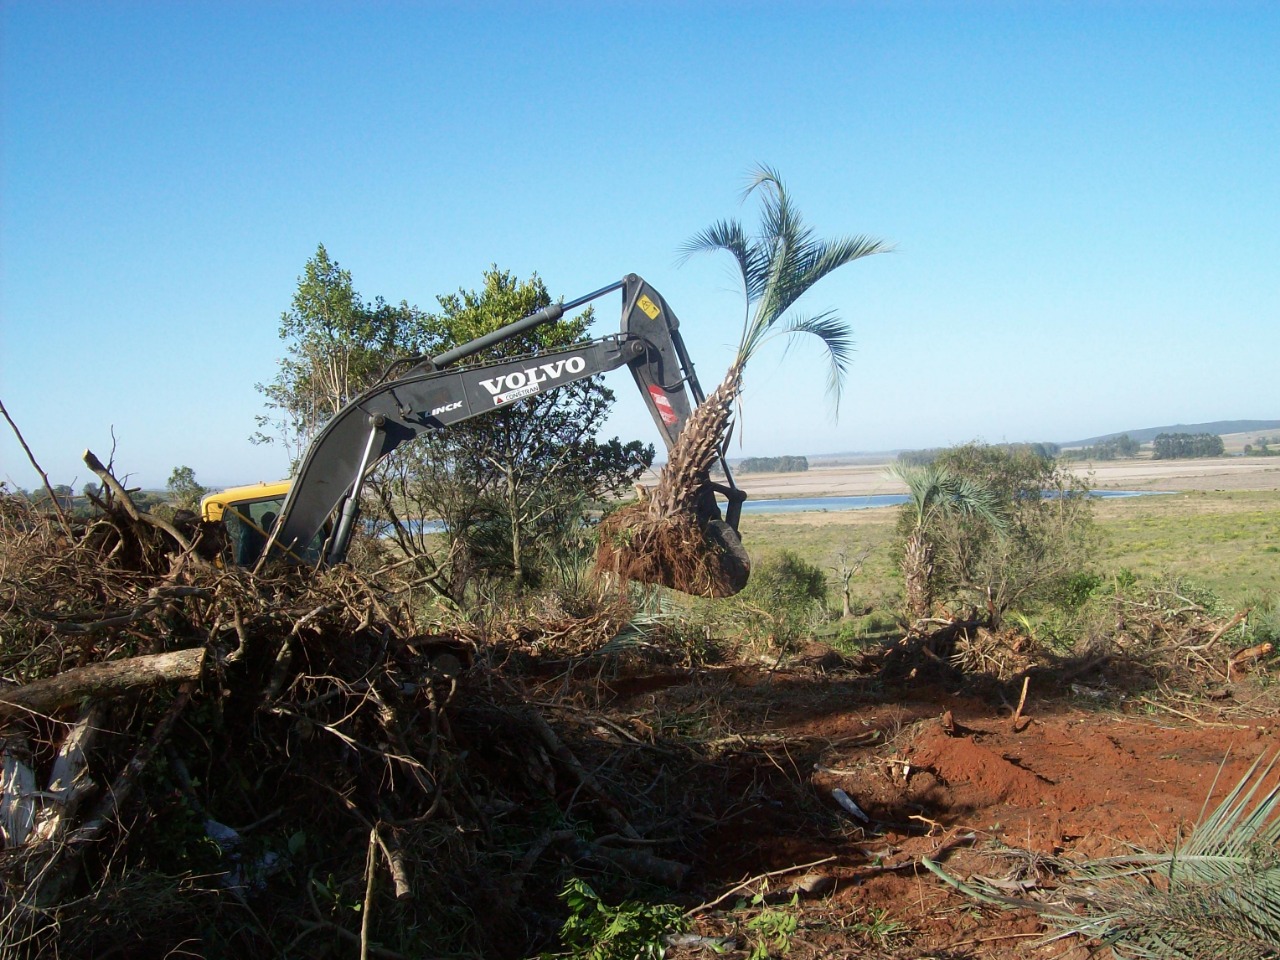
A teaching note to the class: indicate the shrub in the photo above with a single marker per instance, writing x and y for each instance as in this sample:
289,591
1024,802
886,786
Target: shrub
784,597
1042,552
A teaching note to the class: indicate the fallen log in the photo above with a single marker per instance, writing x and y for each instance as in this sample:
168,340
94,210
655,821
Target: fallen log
113,679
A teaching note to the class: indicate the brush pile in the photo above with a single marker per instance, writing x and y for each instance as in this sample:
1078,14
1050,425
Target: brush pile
1162,634
1174,634
286,763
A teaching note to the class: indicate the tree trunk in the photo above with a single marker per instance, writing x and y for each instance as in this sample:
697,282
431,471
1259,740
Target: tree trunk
111,679
513,508
917,572
696,449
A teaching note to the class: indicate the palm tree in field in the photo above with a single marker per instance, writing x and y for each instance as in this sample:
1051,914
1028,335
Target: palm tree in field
778,265
936,492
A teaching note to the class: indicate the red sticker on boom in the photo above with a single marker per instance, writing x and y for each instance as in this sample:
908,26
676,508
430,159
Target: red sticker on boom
665,410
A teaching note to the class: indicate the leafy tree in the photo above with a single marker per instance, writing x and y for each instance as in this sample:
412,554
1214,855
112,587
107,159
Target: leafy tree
1047,535
1179,446
506,485
513,484
773,464
783,595
184,488
1113,448
937,497
336,345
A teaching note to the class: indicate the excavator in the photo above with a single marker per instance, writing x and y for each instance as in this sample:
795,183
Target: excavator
310,519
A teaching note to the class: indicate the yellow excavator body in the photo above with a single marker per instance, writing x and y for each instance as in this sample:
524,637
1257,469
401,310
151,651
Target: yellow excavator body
244,499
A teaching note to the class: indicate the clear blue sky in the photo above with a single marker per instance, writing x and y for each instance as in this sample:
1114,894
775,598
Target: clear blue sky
1085,200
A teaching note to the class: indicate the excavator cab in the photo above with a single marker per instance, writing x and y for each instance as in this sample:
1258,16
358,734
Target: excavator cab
248,516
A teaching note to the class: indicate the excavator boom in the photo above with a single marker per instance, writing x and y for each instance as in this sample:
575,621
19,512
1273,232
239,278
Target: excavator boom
433,394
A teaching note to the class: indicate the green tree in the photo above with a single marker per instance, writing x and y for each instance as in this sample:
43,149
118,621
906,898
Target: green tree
512,485
186,492
657,539
507,485
1047,537
937,497
1178,446
336,345
785,593
777,267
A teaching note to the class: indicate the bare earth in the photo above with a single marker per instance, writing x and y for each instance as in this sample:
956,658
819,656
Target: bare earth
1222,473
943,771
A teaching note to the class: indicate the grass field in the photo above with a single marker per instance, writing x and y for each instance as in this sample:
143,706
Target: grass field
1227,541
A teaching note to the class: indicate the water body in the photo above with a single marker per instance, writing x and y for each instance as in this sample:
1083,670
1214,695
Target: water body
823,505
868,502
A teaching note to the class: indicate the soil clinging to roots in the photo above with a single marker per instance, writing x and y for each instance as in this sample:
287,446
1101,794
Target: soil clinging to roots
674,551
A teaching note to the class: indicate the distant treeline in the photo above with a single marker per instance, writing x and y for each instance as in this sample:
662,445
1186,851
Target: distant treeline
1262,447
773,465
1113,448
920,458
1184,446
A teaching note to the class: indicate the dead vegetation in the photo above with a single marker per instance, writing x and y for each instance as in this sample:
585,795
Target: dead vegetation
285,762
201,758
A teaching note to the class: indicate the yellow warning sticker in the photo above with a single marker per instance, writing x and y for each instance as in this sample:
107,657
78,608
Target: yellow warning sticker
648,306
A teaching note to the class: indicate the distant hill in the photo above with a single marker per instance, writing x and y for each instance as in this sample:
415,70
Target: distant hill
1148,434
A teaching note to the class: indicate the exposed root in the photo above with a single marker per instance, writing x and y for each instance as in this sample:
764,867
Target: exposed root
674,551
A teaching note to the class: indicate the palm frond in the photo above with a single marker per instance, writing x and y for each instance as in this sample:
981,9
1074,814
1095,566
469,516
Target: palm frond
935,490
785,261
725,235
778,265
835,336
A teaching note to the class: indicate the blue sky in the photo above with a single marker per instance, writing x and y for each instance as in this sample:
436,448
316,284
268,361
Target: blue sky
1084,198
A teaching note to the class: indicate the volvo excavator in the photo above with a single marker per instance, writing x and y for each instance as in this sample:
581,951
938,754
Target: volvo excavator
310,520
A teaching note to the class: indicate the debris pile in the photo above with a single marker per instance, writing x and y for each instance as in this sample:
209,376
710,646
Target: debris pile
276,762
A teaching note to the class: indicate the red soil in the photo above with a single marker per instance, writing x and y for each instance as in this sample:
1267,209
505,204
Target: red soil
947,777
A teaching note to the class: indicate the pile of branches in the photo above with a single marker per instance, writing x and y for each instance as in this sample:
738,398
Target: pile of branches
1003,653
280,762
1173,636
1163,635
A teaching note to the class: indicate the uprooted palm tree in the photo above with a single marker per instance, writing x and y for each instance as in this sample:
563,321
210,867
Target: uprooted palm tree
936,492
660,539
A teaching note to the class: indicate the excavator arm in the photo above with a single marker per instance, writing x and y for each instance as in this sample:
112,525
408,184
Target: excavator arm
433,394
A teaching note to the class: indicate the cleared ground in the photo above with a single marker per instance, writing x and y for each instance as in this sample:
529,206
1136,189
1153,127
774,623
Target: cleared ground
1099,768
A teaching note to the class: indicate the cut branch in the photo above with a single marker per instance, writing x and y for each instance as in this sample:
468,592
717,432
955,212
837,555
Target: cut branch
44,477
126,502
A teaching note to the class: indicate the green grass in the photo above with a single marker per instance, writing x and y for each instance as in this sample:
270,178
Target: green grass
820,539
1228,542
